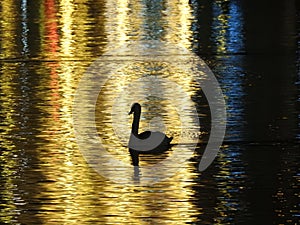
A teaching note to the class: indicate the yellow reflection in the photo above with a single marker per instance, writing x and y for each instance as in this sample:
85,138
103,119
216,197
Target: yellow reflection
76,26
73,194
221,26
125,21
8,28
61,161
117,22
60,158
125,78
179,21
168,203
8,151
68,26
67,19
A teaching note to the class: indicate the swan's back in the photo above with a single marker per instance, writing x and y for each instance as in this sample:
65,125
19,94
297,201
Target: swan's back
149,142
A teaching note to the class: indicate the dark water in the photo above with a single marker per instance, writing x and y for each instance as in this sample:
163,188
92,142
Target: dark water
252,47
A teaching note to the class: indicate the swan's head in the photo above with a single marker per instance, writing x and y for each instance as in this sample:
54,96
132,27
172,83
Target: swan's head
136,107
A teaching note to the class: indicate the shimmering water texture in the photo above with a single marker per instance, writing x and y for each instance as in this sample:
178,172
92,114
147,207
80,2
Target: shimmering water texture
162,84
46,48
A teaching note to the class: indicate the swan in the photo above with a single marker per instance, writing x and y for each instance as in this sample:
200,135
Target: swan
147,142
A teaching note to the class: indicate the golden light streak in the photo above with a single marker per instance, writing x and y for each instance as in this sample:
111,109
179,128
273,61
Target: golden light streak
117,23
118,30
73,193
9,29
220,24
8,161
67,19
179,23
59,154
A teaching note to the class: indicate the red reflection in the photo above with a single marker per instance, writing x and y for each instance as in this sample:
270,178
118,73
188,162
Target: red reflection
52,47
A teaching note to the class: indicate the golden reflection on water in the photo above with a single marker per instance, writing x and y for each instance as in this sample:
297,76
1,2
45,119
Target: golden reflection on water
8,29
66,190
45,48
8,161
133,21
124,88
119,21
178,29
221,26
59,154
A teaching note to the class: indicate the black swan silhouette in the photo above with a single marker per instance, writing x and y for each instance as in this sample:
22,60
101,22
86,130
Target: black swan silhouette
147,142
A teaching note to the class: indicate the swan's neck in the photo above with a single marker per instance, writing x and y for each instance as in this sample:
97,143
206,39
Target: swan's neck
136,123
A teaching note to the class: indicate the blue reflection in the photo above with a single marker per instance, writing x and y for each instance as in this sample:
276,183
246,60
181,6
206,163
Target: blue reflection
228,26
227,33
235,36
228,42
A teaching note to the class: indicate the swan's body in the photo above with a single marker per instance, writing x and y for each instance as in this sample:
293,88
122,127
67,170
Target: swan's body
147,142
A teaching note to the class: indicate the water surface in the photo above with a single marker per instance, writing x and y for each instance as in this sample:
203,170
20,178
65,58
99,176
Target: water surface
45,49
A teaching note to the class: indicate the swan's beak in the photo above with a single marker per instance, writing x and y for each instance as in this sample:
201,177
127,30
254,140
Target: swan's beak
131,111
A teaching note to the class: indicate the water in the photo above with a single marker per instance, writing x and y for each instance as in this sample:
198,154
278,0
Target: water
45,49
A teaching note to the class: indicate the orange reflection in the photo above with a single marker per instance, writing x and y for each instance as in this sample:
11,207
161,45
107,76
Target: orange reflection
72,192
52,41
